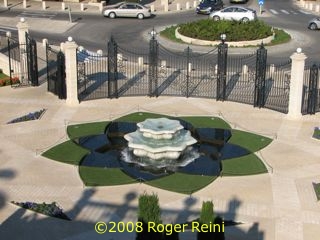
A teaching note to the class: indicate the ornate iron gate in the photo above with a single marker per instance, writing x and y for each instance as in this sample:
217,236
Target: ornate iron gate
277,86
23,61
32,60
93,75
311,91
56,77
13,52
260,78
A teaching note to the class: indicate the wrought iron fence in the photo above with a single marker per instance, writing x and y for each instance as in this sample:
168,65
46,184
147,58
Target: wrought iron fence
311,90
56,77
157,71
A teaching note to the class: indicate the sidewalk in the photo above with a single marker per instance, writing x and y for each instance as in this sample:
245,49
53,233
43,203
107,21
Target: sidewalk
88,7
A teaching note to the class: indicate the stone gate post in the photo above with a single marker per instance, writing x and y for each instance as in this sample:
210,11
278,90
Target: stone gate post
70,51
296,84
23,28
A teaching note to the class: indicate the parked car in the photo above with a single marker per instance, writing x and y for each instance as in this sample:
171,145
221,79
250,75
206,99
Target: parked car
127,9
314,24
234,13
207,6
238,1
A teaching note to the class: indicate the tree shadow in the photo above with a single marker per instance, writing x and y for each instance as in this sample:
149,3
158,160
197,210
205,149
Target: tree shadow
37,226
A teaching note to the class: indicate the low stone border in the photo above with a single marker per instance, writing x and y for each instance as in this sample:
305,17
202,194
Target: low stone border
212,43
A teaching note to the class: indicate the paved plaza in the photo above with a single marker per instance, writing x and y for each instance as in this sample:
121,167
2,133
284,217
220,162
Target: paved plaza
275,206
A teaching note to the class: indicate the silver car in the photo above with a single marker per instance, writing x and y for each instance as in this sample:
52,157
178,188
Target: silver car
234,13
314,24
127,9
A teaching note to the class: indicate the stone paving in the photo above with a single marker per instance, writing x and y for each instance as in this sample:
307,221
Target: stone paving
278,205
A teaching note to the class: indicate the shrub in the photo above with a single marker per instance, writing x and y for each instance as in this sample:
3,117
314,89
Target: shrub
206,29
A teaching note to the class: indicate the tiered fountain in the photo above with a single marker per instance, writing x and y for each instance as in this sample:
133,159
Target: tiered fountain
160,143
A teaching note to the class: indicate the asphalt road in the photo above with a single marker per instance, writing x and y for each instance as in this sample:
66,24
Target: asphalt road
94,31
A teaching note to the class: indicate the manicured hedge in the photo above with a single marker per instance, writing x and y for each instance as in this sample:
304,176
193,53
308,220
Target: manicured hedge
207,29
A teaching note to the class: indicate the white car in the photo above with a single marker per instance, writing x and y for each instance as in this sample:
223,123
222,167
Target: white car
127,9
234,13
314,24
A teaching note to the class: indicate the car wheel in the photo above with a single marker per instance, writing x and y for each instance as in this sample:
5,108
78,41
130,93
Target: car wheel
112,15
245,19
216,18
313,26
140,16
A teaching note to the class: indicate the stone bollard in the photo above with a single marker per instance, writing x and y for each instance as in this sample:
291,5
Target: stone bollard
62,47
81,7
63,6
5,3
140,61
178,7
195,4
317,8
310,6
44,42
166,8
24,3
101,6
163,64
152,8
187,5
272,68
189,67
245,69
216,69
44,7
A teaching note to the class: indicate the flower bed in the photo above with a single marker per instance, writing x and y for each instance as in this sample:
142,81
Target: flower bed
51,210
6,81
28,117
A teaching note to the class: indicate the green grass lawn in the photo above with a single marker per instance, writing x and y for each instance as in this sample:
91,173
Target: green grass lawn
139,117
67,152
207,122
182,183
245,165
86,129
316,187
71,153
95,176
250,141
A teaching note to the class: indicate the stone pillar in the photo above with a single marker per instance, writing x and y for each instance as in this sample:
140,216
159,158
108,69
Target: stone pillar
245,69
81,7
5,3
102,3
178,7
317,8
296,84
63,6
70,51
140,61
152,8
187,5
24,4
44,6
23,28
